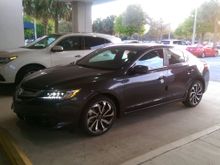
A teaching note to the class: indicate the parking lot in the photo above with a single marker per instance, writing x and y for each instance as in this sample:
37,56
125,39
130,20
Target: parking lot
130,136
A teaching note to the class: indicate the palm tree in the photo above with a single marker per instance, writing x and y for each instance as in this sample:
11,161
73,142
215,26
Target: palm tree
46,9
59,10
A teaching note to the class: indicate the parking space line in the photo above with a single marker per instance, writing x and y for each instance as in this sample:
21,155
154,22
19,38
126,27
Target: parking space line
12,150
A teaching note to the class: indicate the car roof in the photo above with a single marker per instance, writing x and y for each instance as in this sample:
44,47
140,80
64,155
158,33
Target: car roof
138,46
112,38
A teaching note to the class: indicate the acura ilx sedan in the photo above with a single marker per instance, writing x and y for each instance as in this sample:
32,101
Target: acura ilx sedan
109,83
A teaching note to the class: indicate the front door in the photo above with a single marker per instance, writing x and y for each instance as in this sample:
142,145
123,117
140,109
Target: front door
142,90
73,50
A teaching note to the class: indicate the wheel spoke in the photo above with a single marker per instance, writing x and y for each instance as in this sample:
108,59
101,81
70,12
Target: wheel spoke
92,111
97,126
197,98
103,106
92,125
109,115
102,125
91,118
107,110
98,106
106,121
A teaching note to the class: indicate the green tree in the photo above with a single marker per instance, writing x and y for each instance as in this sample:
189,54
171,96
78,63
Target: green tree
185,29
207,21
131,21
47,9
104,25
157,29
38,9
59,10
208,17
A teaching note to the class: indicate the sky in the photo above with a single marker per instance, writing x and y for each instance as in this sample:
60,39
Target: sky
172,12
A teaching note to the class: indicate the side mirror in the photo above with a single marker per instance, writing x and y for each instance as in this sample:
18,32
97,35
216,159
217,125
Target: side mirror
57,48
139,69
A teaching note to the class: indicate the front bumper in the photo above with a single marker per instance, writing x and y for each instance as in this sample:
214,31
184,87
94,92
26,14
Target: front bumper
47,111
7,74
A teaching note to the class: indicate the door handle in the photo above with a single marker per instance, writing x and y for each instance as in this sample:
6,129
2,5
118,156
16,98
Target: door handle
161,79
78,56
190,71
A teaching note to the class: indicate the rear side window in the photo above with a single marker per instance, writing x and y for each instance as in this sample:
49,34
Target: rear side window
165,42
94,42
153,59
177,42
174,56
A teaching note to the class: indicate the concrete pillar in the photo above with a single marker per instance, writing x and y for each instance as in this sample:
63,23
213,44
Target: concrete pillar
82,16
11,24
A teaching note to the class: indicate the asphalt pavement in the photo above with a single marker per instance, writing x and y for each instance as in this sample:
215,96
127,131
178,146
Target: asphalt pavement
214,66
202,148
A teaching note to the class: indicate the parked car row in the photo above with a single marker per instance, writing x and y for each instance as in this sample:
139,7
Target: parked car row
107,83
49,51
203,51
198,50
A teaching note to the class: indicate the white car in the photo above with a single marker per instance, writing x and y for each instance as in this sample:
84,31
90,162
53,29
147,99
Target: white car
48,51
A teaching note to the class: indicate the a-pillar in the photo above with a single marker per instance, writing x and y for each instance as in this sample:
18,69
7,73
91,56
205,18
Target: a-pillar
82,16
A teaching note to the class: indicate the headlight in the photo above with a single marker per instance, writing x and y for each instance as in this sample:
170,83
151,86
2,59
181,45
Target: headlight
60,94
5,60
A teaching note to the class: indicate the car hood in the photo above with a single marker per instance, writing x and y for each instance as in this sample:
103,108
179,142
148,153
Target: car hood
64,77
18,52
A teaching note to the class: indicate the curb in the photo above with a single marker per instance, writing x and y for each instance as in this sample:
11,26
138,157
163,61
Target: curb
14,153
164,149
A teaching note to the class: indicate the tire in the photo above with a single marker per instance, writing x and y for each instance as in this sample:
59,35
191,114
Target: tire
27,71
20,117
194,94
98,117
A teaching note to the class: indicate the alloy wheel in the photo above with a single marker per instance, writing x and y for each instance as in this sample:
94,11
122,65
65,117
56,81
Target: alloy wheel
100,117
196,93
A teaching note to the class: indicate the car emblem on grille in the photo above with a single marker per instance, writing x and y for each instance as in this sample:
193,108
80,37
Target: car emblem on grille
20,91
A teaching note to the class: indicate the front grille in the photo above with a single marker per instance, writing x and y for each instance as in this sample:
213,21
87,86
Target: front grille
27,92
2,78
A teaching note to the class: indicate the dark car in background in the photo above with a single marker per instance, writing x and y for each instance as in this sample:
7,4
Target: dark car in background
111,82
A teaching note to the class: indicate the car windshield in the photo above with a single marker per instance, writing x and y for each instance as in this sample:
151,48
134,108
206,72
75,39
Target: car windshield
43,42
109,59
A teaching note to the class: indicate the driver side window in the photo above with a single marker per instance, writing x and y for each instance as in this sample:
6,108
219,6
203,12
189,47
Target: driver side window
153,59
71,43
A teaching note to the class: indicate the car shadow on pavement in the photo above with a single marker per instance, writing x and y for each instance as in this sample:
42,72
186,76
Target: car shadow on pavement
150,114
44,134
7,90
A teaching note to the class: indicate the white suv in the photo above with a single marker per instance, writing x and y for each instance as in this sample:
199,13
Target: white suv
48,51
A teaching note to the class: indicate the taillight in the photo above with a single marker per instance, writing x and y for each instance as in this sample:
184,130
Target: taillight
206,67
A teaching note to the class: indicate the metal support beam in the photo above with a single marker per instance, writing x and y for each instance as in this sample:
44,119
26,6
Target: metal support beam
82,16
